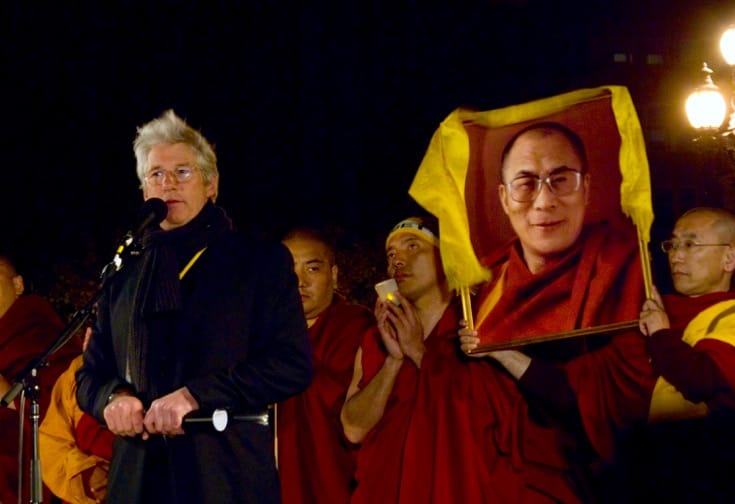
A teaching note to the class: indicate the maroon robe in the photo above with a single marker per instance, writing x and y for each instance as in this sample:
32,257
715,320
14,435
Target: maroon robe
703,372
599,281
690,460
27,329
315,461
444,435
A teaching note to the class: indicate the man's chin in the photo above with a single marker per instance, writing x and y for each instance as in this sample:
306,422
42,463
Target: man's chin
681,287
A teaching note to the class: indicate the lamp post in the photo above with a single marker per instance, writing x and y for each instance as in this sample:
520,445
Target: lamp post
713,117
706,107
727,47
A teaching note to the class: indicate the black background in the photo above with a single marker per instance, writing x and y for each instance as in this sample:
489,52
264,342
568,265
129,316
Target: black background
319,112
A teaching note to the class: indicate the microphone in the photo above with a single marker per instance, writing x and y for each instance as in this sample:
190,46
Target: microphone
217,419
152,212
220,418
13,391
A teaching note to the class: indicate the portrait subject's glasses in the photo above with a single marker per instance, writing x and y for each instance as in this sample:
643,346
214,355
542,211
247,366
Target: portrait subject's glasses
669,246
181,174
562,182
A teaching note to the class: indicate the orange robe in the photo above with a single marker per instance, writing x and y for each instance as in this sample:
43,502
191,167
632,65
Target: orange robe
315,461
28,328
75,449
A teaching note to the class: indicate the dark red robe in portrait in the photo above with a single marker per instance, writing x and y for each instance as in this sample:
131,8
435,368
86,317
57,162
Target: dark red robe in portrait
599,281
27,329
315,461
446,434
609,378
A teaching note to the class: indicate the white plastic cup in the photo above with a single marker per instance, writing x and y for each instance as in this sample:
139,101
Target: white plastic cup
386,291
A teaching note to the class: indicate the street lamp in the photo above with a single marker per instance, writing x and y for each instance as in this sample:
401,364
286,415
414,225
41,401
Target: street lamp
727,47
713,116
706,107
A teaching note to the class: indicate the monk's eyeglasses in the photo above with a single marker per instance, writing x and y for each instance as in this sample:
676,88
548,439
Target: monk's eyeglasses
669,246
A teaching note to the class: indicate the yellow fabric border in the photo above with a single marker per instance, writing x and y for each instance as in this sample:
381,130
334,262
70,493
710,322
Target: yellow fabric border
439,187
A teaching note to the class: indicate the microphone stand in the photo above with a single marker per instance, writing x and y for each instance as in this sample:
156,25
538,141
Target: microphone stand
27,379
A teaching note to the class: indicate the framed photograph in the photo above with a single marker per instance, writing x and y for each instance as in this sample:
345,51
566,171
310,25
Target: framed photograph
458,182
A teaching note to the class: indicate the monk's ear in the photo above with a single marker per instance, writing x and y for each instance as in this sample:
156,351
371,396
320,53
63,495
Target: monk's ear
18,285
503,195
335,275
729,260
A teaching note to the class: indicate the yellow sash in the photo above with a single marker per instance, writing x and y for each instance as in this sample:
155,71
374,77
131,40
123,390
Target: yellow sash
715,322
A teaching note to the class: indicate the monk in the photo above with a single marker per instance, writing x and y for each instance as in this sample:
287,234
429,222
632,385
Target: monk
687,451
315,461
75,448
28,327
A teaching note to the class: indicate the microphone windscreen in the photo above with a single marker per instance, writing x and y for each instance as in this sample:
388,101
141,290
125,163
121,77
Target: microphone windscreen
155,209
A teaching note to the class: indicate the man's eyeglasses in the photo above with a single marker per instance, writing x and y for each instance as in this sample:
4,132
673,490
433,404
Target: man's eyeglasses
562,182
669,246
181,174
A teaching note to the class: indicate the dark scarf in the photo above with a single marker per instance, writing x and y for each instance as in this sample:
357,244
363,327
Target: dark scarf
157,287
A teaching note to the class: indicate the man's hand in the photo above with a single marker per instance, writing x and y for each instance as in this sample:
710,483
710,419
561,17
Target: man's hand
166,413
404,326
124,416
468,340
387,331
653,317
515,362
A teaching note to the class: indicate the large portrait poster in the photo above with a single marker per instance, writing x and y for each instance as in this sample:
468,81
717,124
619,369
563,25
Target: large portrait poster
459,177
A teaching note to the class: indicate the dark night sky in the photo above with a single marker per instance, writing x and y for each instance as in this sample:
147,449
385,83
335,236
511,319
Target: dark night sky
320,112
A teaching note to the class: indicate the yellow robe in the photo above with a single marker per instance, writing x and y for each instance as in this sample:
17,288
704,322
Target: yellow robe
71,474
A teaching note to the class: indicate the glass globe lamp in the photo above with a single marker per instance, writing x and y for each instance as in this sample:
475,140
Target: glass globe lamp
706,107
727,45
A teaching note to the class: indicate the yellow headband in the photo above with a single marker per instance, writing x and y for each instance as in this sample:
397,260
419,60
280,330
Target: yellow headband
415,228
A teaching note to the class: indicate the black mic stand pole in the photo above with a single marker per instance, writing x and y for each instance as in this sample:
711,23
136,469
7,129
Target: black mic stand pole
35,474
27,379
